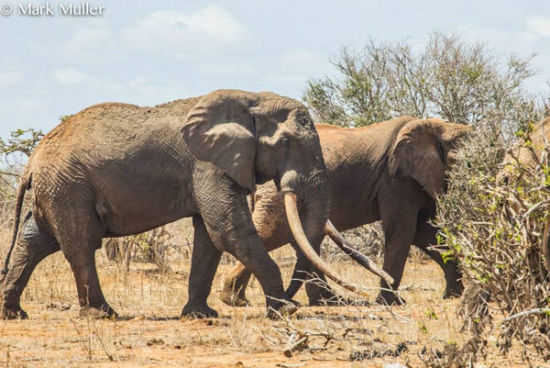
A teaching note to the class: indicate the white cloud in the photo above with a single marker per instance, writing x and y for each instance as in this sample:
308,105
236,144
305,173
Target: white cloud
496,38
68,76
540,25
205,40
9,78
139,90
181,34
138,82
296,66
93,46
298,57
11,70
303,62
521,41
229,69
142,91
168,32
86,37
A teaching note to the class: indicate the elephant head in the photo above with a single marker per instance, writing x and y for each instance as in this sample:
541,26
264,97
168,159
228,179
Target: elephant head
423,150
256,137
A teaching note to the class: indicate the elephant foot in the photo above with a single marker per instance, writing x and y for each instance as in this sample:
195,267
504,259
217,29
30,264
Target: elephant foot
14,312
321,296
234,300
282,309
200,311
389,298
454,291
103,312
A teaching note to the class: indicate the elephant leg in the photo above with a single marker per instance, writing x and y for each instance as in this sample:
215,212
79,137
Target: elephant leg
273,230
426,237
232,229
90,296
318,290
234,287
33,245
79,238
251,252
204,262
399,225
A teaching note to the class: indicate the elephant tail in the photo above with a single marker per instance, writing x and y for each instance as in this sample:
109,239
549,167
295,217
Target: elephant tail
24,184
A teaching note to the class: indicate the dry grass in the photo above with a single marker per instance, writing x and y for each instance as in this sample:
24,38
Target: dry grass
151,334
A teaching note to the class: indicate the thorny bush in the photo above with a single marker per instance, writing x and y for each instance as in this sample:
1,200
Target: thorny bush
497,231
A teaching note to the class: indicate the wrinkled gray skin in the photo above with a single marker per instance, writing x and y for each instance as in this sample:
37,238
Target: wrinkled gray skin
116,169
390,171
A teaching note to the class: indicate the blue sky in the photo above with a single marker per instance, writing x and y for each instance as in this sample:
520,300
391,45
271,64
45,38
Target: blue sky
148,52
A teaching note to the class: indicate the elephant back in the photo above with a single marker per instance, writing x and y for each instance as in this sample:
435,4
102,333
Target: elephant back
525,154
108,136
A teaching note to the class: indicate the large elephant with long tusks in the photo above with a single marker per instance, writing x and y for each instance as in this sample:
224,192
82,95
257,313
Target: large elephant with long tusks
116,169
390,171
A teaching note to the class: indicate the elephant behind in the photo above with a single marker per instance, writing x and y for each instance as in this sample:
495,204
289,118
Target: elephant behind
390,171
524,157
117,169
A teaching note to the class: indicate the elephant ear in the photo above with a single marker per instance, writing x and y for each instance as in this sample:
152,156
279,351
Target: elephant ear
219,130
419,154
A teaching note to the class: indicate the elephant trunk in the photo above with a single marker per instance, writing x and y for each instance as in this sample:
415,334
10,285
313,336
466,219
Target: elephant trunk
305,246
314,214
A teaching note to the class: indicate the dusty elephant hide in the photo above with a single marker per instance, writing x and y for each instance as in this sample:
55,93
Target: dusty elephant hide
117,169
390,171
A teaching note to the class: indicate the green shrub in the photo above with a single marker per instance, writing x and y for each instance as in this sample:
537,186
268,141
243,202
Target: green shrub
496,232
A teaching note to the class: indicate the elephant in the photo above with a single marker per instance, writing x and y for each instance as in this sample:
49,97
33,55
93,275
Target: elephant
390,171
524,156
116,169
528,157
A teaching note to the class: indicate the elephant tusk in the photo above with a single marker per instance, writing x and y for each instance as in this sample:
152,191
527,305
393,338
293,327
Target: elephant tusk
304,245
357,256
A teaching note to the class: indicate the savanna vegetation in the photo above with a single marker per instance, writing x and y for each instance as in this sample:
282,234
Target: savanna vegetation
494,229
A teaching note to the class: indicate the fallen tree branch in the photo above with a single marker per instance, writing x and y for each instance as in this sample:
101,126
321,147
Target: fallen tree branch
526,313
